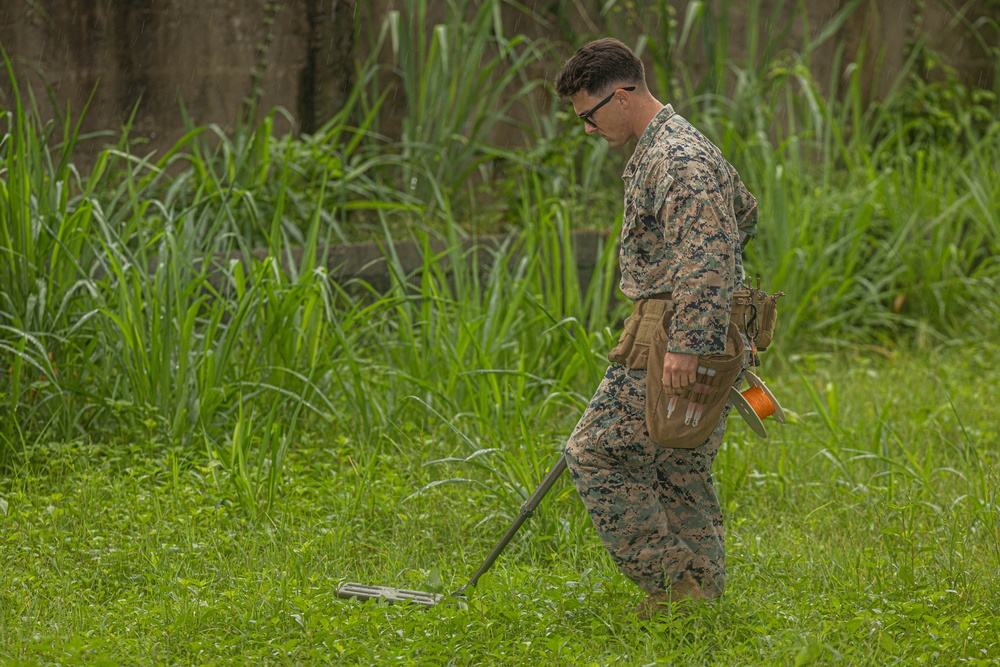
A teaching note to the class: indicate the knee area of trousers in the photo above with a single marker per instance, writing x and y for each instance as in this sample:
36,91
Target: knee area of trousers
573,454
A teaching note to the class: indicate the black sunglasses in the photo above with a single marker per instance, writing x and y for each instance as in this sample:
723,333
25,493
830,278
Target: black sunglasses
587,114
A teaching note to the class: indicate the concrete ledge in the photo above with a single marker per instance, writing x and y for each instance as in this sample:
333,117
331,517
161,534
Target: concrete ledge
367,262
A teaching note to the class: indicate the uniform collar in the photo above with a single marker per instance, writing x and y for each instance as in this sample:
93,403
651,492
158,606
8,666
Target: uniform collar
647,139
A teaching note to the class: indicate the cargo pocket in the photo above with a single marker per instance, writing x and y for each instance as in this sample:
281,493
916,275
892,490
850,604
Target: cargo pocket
633,344
686,421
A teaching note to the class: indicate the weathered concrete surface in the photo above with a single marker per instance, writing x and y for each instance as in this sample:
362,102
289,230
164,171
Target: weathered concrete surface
148,55
299,54
364,268
367,263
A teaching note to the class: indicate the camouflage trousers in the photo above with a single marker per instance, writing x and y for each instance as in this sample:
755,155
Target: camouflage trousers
654,508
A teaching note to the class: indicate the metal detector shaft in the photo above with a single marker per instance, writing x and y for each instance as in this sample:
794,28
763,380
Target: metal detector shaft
527,509
353,590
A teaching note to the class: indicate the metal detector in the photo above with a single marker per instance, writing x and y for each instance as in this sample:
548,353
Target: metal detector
366,592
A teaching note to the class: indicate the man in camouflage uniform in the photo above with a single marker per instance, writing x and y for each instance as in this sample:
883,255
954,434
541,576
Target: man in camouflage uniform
687,218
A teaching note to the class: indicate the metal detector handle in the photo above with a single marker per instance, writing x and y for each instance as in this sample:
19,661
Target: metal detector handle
526,511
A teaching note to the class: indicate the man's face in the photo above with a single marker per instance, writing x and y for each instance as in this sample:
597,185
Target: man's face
604,115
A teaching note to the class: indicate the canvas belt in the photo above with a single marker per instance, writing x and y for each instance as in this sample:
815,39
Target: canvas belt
685,419
754,312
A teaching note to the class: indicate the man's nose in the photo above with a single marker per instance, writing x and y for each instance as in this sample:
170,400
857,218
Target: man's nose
590,128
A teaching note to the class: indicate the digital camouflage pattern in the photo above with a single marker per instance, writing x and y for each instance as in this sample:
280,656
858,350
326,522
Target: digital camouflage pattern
687,217
654,508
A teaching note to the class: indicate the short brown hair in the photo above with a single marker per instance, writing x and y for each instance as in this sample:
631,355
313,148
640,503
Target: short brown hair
597,65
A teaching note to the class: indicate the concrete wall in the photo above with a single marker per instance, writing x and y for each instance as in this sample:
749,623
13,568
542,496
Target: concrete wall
215,55
147,55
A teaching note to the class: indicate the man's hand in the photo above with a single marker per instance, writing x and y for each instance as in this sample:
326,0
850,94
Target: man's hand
679,371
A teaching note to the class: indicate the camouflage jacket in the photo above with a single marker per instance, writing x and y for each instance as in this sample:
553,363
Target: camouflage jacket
687,218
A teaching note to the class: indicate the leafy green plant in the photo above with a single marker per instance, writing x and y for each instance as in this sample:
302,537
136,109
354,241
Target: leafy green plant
460,82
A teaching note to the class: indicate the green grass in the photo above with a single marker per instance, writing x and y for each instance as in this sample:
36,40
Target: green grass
198,443
864,532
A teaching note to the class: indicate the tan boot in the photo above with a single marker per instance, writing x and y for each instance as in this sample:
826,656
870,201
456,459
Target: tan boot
686,588
683,592
655,603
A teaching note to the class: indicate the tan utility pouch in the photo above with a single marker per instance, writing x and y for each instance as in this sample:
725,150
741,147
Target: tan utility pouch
686,421
755,312
633,345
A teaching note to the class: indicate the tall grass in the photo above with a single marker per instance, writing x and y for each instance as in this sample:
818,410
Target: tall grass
133,307
172,322
863,258
162,326
872,216
460,81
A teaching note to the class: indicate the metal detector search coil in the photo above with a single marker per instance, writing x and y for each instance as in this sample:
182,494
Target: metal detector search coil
390,595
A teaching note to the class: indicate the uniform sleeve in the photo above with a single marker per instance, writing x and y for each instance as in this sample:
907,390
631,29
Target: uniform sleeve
698,216
745,207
